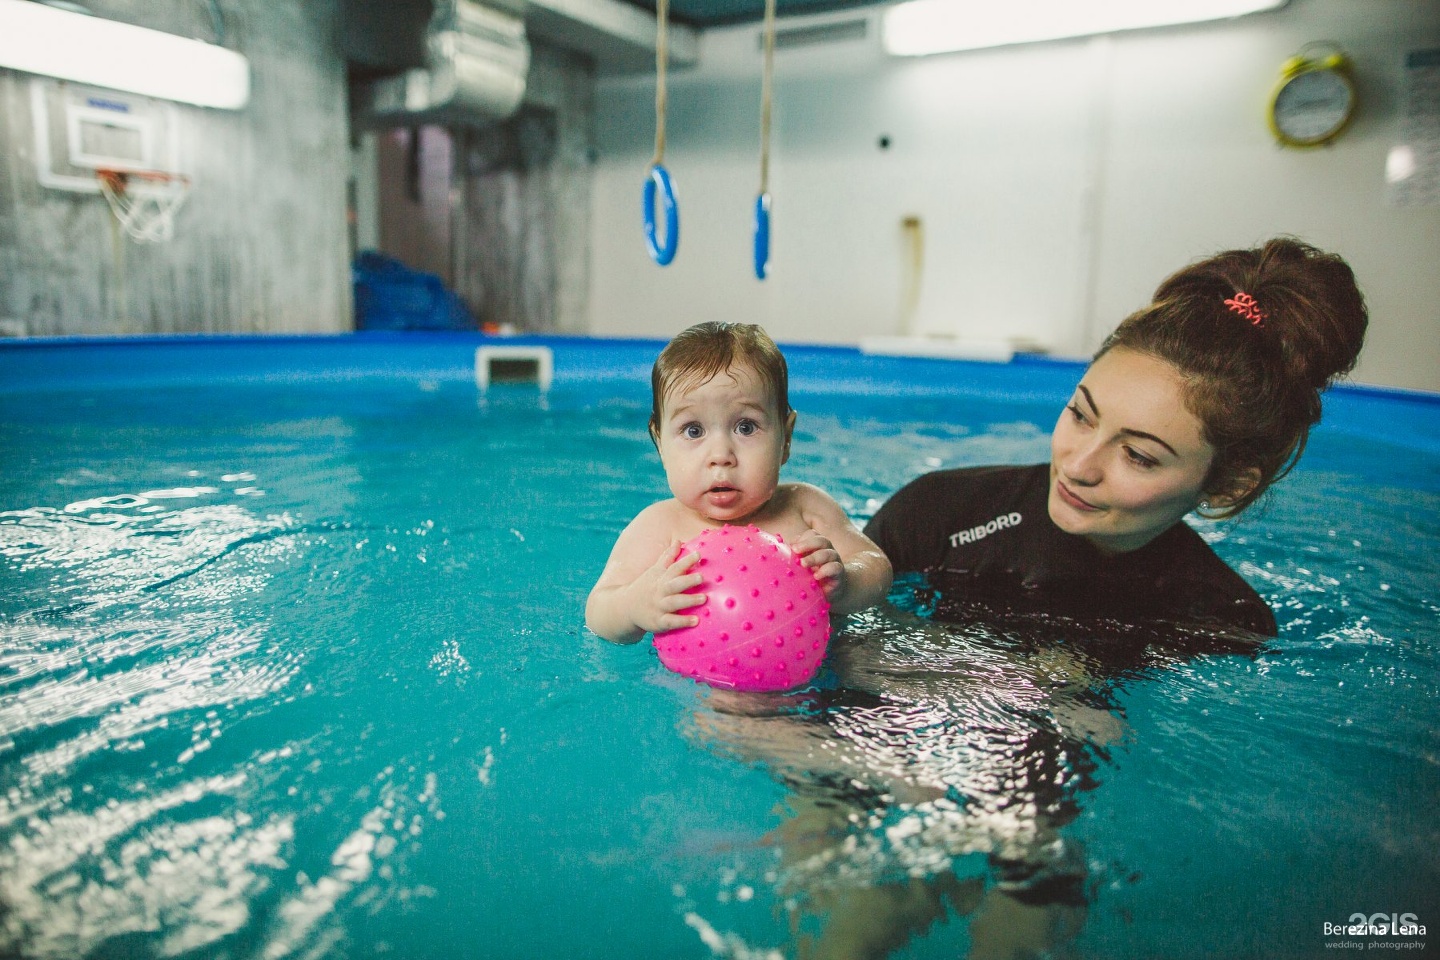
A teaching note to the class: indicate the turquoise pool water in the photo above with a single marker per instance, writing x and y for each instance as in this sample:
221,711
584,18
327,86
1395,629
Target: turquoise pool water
293,664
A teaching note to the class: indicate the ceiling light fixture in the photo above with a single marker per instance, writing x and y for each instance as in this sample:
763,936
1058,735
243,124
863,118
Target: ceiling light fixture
36,38
921,27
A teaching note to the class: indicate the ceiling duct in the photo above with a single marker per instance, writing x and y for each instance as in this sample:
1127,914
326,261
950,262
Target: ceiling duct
476,59
838,31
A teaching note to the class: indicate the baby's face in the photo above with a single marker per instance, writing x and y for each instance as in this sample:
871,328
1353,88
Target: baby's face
722,443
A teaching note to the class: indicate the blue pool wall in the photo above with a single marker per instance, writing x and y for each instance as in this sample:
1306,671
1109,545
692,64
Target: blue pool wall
1407,418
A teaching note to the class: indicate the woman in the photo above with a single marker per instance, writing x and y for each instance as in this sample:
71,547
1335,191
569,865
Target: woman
1198,402
975,718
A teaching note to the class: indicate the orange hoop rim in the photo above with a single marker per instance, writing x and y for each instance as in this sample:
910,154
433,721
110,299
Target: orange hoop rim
118,178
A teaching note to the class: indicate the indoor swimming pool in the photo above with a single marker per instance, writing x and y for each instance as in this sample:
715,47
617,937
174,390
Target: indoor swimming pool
293,664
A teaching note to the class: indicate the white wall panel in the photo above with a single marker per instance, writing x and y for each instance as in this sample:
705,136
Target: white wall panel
1057,184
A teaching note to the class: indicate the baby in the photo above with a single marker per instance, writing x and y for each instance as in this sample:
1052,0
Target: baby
721,421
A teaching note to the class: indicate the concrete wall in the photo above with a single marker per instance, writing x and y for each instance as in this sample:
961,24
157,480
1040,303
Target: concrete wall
1047,188
261,243
522,217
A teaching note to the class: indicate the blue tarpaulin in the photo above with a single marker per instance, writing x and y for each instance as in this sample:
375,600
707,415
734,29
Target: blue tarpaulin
391,296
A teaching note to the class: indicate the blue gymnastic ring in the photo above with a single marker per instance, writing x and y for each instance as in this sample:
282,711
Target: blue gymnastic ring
659,179
762,236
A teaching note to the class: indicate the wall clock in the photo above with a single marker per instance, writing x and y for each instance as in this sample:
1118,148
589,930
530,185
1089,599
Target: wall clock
1314,100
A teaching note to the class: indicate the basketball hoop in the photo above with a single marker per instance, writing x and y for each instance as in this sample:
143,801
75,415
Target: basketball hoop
144,201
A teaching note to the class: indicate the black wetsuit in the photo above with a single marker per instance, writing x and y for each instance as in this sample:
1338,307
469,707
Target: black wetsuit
985,534
982,682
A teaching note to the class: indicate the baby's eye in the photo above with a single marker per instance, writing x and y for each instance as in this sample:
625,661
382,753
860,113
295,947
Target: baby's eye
692,431
746,427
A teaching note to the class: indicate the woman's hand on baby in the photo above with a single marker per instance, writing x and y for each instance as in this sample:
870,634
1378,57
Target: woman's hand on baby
823,560
657,594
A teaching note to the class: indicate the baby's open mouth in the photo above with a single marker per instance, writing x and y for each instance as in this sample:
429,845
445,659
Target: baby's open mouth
722,495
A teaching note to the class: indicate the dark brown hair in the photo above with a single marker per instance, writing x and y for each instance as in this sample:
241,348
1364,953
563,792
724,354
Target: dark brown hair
706,349
1253,381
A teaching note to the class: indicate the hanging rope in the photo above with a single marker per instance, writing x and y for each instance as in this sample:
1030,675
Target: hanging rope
662,58
658,180
762,202
766,96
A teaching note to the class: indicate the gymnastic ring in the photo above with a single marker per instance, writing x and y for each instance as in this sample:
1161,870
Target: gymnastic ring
762,236
659,179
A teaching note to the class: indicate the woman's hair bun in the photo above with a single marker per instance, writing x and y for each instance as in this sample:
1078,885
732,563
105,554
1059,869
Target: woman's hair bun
1318,311
1311,303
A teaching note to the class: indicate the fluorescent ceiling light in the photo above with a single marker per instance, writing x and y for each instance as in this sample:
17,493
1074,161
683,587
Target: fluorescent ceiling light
39,39
921,27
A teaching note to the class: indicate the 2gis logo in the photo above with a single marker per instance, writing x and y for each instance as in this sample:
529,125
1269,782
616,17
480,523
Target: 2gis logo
1378,925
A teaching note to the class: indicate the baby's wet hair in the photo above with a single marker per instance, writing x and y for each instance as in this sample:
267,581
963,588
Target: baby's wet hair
711,348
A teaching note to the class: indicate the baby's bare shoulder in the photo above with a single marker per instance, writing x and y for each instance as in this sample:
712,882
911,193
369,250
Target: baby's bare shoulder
803,504
643,540
805,496
659,521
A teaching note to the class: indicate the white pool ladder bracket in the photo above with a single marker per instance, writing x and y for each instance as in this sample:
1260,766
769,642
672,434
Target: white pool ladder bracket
514,364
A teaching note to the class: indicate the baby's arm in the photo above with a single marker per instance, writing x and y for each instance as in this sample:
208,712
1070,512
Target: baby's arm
643,584
854,571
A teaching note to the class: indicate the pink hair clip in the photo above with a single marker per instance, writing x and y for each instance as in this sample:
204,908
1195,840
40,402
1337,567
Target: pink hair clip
1245,305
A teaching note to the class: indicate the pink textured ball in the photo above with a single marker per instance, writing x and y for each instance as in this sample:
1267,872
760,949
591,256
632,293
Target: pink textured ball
765,623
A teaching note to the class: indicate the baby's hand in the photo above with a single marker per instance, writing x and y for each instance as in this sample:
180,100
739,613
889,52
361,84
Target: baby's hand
824,561
655,596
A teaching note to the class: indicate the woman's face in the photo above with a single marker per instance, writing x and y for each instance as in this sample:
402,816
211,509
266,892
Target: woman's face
1127,459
